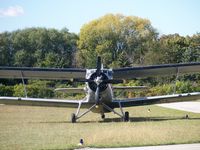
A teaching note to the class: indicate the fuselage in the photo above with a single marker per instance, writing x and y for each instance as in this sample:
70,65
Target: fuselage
106,92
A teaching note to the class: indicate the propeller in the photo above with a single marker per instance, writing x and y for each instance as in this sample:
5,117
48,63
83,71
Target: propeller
98,81
97,96
102,80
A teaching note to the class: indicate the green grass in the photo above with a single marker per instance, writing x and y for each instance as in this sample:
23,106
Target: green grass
26,127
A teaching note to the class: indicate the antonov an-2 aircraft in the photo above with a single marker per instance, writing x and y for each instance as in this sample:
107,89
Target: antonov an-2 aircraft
99,90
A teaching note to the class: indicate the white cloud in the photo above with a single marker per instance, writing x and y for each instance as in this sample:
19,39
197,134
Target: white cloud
12,11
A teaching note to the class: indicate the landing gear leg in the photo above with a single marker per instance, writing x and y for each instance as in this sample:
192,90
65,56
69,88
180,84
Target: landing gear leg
124,116
76,116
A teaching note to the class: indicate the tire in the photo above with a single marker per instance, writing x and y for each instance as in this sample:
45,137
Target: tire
126,116
103,116
73,118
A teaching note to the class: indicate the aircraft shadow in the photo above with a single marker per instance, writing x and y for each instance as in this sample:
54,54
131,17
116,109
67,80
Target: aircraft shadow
132,119
144,119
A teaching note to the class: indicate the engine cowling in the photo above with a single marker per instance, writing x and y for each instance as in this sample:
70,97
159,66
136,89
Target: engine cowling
98,80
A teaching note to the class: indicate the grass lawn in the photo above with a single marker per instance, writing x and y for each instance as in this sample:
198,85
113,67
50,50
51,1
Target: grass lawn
26,127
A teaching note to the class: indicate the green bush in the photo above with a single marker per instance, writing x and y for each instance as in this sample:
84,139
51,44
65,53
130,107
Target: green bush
6,90
45,89
37,90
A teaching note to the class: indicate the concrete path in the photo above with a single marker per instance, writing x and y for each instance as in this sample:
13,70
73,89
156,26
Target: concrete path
164,147
185,106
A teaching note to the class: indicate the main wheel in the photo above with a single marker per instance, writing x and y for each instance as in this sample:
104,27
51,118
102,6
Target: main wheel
126,116
73,118
103,116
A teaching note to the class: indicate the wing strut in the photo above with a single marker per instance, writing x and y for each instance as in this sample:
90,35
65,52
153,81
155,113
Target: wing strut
112,110
177,75
24,85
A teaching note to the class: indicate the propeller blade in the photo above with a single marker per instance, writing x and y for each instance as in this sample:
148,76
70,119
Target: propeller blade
97,94
113,81
81,80
98,67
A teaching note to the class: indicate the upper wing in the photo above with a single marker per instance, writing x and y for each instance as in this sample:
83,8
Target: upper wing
157,99
42,73
44,102
157,70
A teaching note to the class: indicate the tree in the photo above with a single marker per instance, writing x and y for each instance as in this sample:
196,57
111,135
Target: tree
6,50
32,47
23,58
192,52
173,48
112,35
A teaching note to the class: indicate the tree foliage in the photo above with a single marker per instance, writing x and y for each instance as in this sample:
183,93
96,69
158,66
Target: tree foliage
114,37
38,47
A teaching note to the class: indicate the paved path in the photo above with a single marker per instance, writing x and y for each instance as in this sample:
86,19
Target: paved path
185,106
164,147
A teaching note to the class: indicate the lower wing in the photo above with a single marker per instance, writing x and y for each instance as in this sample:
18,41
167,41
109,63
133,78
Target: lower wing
156,99
43,102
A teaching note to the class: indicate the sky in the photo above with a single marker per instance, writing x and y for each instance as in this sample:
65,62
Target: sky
167,16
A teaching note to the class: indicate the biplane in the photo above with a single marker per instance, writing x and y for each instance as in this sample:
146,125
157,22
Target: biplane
99,87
